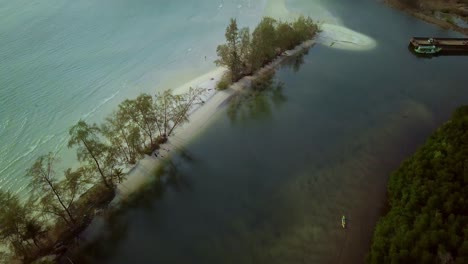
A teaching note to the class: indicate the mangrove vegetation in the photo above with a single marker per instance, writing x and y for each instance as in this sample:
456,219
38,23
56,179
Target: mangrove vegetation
427,221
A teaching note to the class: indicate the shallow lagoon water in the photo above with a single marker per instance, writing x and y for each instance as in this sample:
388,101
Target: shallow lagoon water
269,181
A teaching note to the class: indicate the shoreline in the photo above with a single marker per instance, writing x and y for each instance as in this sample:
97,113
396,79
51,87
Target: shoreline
425,15
145,170
199,118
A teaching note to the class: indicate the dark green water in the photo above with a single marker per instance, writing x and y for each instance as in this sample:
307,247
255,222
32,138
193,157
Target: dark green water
270,185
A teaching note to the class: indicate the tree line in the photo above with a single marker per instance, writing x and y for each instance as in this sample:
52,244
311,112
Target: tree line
137,127
244,53
104,151
427,221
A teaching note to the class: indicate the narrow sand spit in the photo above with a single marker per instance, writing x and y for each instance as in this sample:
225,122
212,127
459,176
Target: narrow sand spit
332,35
199,119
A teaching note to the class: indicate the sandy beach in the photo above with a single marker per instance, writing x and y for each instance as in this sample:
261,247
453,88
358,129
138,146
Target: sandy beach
199,119
332,35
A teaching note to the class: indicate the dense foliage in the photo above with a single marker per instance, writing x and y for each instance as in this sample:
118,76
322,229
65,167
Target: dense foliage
428,195
244,53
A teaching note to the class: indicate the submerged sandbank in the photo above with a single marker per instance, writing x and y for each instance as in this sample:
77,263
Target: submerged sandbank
334,34
341,37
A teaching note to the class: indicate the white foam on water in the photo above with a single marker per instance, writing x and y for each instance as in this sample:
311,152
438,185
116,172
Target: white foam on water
103,102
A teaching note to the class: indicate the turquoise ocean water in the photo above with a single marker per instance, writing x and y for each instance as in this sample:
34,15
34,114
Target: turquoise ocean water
63,60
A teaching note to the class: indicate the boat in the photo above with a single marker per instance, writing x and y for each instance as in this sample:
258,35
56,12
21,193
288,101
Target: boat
427,49
439,46
343,221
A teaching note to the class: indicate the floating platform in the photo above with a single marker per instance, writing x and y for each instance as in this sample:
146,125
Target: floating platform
448,45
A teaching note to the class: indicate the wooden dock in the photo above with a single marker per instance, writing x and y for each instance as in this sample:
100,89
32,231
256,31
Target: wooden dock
458,45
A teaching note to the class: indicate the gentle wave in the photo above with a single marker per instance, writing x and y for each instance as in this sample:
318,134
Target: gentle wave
29,151
4,125
41,141
57,67
62,143
103,102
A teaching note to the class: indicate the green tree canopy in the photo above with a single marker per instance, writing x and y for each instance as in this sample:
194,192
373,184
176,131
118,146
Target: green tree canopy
244,53
427,221
91,150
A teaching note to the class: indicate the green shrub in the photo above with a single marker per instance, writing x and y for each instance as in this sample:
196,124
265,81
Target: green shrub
224,82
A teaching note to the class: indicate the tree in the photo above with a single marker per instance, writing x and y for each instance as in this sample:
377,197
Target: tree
245,50
163,107
90,149
44,182
124,136
5,257
229,53
287,37
140,112
263,43
33,230
113,166
180,107
244,53
304,28
427,219
17,225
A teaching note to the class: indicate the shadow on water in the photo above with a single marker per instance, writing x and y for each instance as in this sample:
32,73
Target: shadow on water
265,93
109,230
257,101
169,176
174,177
295,62
254,103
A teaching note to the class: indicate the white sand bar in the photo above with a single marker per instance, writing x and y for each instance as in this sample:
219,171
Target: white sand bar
344,38
334,34
142,173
